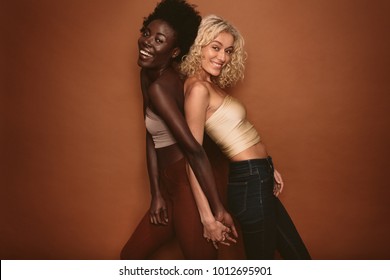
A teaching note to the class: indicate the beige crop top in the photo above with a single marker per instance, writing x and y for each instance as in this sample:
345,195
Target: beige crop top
161,134
229,128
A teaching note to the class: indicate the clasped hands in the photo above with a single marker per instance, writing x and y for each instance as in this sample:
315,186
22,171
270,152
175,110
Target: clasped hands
220,230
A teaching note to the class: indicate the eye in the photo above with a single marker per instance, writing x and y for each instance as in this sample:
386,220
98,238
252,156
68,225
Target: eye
158,40
144,32
229,51
216,48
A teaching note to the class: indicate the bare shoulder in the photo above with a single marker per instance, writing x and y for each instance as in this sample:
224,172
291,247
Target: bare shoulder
169,85
194,86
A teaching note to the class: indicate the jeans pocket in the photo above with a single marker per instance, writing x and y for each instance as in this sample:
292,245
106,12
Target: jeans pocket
237,197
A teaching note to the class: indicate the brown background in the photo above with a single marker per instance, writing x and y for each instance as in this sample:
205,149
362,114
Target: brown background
73,173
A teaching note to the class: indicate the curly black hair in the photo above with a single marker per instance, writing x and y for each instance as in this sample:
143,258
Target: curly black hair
182,17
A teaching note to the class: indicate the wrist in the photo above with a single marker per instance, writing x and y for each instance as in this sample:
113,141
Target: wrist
208,220
217,208
218,213
156,194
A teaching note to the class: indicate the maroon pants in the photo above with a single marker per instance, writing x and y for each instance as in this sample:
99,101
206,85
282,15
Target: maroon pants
184,221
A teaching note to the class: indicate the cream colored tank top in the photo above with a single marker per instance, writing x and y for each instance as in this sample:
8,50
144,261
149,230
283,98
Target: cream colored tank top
161,134
229,128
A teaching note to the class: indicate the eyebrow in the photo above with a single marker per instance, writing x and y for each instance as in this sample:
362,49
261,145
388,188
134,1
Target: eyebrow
219,43
158,33
144,28
216,41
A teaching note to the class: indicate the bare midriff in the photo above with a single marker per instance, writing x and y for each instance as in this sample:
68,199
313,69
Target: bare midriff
254,152
171,154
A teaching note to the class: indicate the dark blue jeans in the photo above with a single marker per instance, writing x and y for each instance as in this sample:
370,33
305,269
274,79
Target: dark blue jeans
265,224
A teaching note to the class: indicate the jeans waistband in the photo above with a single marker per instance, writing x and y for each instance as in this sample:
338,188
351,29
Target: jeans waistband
250,164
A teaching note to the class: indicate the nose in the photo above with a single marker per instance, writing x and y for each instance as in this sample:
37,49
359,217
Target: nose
222,56
147,42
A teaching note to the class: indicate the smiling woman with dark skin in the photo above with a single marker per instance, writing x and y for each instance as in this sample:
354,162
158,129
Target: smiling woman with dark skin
166,37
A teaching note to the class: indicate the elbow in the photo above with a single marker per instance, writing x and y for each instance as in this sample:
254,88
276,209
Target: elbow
195,152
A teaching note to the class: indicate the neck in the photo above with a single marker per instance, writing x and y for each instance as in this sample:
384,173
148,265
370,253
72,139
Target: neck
154,74
203,75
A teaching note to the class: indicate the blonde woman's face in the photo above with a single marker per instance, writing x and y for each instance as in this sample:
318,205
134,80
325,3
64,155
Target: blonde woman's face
217,54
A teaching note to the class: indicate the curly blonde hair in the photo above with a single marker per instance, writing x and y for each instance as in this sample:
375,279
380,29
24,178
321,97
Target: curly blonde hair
210,27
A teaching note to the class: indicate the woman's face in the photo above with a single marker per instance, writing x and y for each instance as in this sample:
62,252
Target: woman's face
217,54
157,45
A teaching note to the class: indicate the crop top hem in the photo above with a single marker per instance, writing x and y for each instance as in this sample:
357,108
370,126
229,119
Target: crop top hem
229,128
161,134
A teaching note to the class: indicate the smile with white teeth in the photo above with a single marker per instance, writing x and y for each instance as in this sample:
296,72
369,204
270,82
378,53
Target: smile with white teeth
145,53
219,65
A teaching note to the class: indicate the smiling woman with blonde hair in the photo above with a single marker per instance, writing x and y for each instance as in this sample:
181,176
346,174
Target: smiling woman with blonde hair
215,61
210,28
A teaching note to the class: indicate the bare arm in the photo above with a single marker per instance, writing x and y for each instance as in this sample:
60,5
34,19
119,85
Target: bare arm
195,115
158,210
196,104
212,229
166,107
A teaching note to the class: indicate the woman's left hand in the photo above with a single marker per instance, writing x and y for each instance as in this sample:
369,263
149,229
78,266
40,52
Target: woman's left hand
216,232
278,183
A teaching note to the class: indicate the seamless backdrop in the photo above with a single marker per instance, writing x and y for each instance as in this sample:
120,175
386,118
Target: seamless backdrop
73,181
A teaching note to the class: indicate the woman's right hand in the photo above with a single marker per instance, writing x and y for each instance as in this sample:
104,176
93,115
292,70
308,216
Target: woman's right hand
215,232
158,211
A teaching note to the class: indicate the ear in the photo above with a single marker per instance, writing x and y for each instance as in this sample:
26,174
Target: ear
175,52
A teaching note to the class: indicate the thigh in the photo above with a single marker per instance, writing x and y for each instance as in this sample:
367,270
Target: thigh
252,202
147,238
187,225
189,232
259,240
251,198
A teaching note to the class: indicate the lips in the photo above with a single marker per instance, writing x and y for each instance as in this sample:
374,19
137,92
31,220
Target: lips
145,54
217,65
